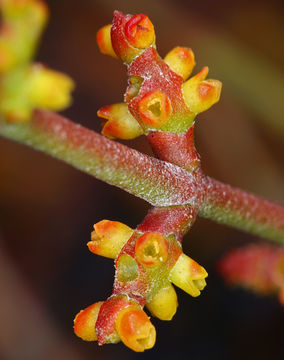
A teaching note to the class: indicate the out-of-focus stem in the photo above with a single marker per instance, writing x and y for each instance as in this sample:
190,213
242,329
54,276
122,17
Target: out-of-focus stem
234,207
158,182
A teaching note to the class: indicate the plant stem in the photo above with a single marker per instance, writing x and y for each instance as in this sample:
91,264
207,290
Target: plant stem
234,207
158,182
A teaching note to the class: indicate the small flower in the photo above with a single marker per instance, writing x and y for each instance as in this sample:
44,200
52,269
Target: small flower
85,322
104,41
188,275
108,238
139,31
201,94
135,329
151,249
120,123
154,108
164,303
181,61
131,35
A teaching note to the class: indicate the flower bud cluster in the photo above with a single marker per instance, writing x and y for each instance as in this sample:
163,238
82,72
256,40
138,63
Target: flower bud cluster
160,95
25,85
147,264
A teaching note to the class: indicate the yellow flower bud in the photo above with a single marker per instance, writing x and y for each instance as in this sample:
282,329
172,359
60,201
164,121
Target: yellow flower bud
108,238
181,60
188,275
120,123
199,94
104,41
164,304
139,31
85,322
135,329
49,89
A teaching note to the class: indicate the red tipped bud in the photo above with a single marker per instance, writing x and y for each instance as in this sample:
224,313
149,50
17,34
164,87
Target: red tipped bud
135,329
131,35
155,108
200,94
151,249
85,322
108,238
188,275
139,31
120,123
181,60
104,41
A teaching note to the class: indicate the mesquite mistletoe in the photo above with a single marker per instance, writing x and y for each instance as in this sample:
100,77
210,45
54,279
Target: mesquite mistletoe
161,105
161,101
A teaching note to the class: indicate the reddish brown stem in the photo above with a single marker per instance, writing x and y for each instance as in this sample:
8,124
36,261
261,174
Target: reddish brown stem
156,181
217,201
232,206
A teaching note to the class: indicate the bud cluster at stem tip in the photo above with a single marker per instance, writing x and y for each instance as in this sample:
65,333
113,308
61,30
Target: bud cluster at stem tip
160,95
147,264
25,85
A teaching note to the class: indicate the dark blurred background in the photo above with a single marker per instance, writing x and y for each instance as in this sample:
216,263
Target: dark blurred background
47,208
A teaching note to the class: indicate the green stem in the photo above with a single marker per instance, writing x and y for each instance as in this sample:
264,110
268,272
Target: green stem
234,207
158,182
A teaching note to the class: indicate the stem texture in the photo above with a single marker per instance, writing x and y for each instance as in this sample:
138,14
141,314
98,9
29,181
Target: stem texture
240,209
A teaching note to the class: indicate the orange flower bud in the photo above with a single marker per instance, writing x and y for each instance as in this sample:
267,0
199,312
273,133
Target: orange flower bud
139,31
108,238
104,41
188,275
131,35
181,60
151,249
120,123
200,94
155,108
85,321
164,303
135,329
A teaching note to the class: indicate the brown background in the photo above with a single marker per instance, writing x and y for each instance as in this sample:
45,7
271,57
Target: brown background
47,209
